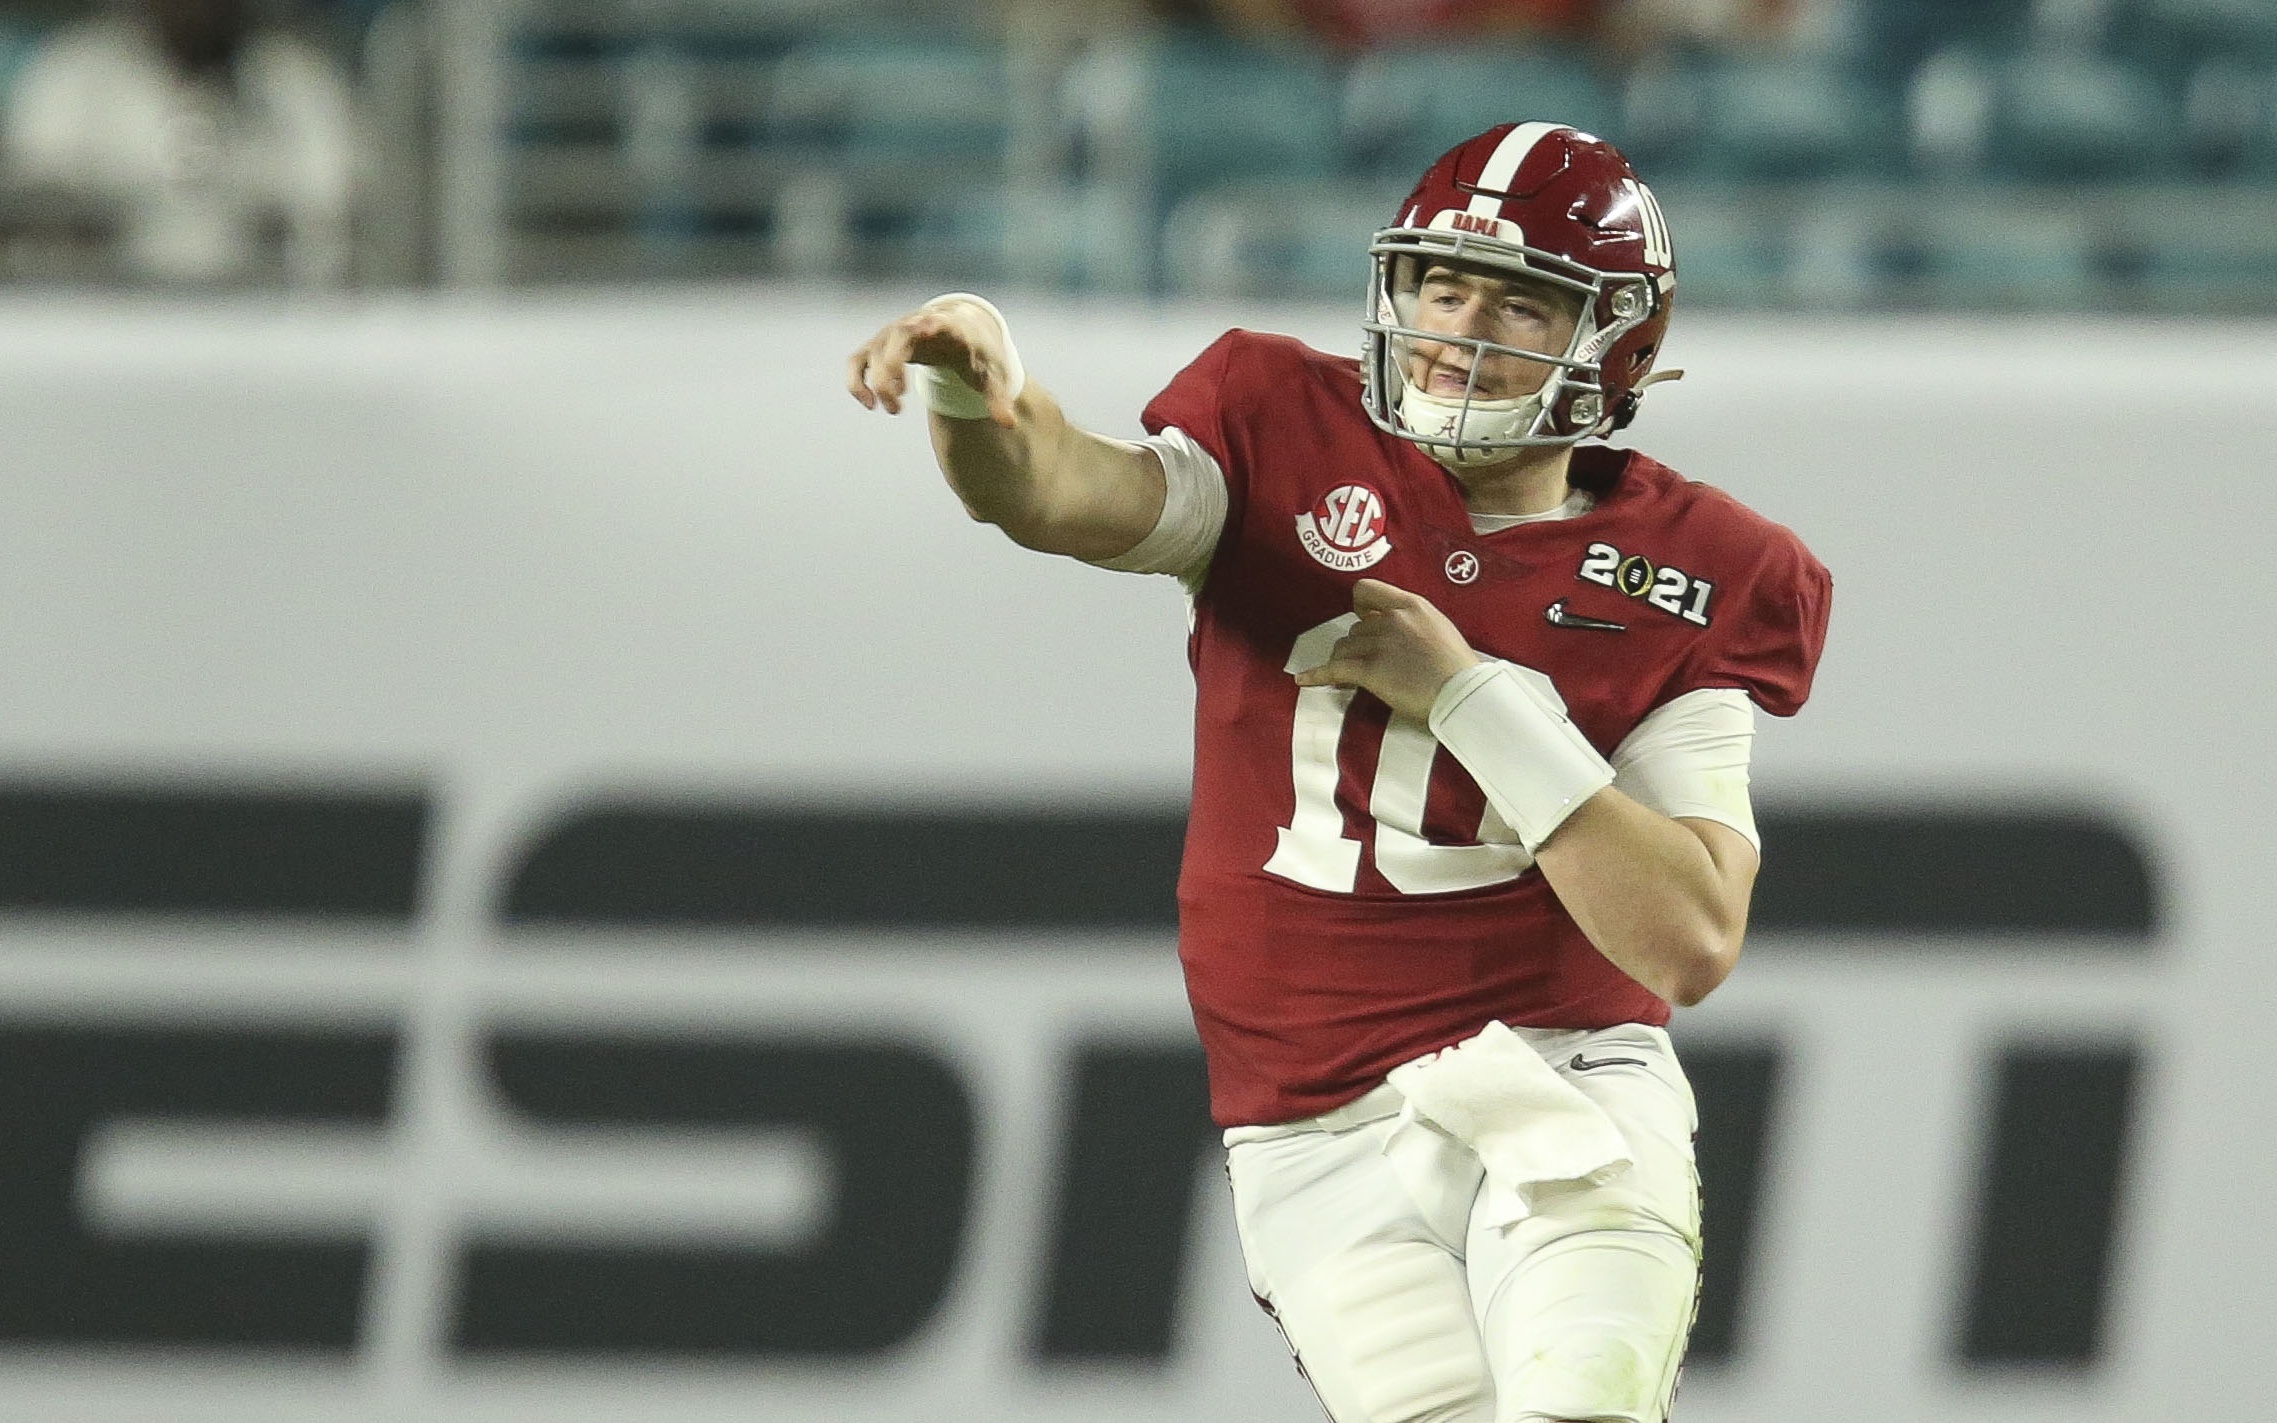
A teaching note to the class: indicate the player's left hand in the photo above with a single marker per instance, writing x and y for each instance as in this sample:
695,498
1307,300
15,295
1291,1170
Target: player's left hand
1403,649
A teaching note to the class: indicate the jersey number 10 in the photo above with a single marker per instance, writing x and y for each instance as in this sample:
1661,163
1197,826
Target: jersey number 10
1313,850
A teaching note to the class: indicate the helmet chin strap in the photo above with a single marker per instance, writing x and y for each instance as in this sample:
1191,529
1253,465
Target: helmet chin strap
1427,415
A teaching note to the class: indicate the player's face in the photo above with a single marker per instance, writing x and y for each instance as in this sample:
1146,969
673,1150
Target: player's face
1483,305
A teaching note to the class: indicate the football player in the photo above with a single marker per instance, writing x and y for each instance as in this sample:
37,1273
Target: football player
1470,813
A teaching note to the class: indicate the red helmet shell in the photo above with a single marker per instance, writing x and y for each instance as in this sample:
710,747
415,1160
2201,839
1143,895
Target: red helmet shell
1557,201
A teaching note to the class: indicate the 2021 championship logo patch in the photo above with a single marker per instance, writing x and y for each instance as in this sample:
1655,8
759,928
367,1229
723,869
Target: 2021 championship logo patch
1345,530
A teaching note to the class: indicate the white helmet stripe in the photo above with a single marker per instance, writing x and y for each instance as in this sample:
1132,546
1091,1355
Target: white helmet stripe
1657,246
1503,166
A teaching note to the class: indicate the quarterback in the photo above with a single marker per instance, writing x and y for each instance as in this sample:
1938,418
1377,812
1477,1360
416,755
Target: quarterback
1474,705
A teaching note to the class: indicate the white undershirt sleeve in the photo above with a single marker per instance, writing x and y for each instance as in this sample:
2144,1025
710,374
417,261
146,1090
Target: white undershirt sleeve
1193,513
1688,759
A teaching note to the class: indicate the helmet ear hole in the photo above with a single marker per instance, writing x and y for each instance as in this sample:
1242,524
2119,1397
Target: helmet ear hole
1641,359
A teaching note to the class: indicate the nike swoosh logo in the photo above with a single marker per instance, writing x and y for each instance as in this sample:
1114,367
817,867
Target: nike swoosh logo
1578,1063
1556,616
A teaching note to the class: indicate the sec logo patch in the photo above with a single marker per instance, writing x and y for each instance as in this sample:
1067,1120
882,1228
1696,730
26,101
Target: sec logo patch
1345,530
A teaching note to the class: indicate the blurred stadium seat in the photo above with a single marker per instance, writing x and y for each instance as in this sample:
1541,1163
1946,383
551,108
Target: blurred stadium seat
725,138
903,140
625,149
1405,107
2229,119
1179,114
898,142
1664,105
17,41
2197,271
2006,258
1756,118
1801,117
1277,240
2174,37
1728,255
861,101
1949,100
1892,38
1158,121
956,234
2064,116
2206,249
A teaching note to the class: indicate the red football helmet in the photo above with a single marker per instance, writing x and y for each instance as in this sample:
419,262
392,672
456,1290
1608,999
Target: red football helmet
1558,207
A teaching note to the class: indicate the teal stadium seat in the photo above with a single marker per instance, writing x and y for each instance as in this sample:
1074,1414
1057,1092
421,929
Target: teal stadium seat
2259,150
1405,107
2020,261
1207,114
2071,117
1305,241
1790,118
1726,255
1165,121
2213,247
955,235
891,101
1786,118
2229,120
2174,37
17,45
909,135
1663,105
2222,272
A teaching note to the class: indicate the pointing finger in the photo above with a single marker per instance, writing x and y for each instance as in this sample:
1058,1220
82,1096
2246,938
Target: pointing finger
1347,662
1373,595
890,366
857,368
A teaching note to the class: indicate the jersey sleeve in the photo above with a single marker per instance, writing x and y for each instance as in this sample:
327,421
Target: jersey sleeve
1197,402
1185,537
1766,639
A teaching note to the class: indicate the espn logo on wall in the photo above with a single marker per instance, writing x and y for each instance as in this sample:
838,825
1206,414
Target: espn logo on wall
226,1061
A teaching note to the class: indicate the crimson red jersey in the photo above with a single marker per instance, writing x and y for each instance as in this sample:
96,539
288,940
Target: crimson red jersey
1349,900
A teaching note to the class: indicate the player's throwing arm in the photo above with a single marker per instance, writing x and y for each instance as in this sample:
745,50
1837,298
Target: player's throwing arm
1008,451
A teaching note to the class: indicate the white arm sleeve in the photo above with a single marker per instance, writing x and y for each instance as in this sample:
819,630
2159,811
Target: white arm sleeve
1508,726
1688,758
1193,513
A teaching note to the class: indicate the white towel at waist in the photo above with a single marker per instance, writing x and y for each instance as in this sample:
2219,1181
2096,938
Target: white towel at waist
1529,1126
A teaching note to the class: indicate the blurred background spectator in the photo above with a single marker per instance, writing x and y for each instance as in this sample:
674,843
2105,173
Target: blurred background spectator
186,142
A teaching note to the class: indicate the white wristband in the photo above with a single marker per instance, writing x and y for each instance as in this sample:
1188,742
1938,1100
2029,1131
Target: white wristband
1508,727
948,394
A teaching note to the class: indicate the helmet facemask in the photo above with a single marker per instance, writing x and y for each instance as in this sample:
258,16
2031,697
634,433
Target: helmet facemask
1472,430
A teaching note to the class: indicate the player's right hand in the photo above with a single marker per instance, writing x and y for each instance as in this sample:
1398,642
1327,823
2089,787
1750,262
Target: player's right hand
955,335
1403,649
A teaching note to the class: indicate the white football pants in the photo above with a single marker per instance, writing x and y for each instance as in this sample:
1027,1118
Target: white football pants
1360,1237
